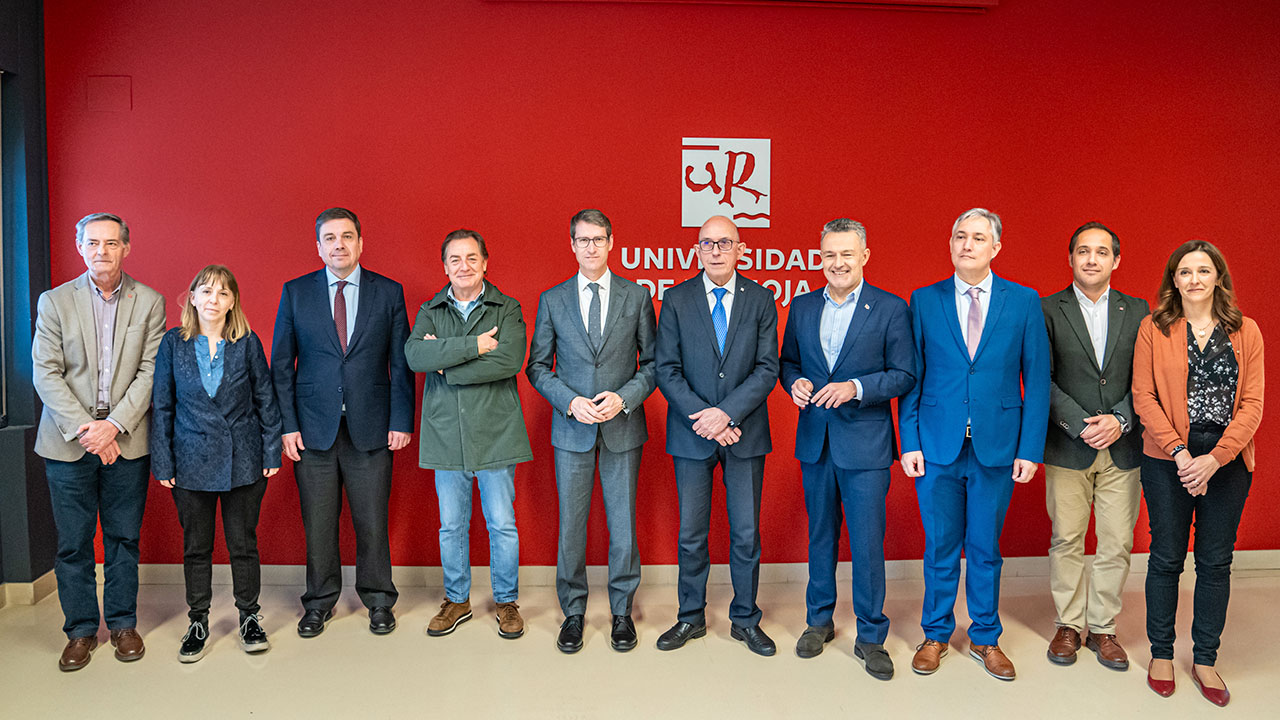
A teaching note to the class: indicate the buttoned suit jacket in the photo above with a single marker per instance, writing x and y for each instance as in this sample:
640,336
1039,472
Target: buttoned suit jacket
313,377
1081,389
1003,392
877,351
563,364
694,375
64,353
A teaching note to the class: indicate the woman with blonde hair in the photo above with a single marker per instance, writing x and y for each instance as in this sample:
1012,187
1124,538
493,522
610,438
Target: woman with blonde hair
215,438
1197,387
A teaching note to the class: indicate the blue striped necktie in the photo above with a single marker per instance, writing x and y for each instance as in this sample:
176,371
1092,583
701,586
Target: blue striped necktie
719,320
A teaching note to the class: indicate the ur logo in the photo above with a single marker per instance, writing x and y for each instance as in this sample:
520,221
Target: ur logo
725,176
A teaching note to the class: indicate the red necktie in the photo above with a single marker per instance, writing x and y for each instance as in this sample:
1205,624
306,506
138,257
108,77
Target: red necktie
340,315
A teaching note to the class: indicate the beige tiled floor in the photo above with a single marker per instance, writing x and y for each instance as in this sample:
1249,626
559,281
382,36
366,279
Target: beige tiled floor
474,673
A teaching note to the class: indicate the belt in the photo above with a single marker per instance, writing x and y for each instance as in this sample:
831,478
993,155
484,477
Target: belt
968,430
101,413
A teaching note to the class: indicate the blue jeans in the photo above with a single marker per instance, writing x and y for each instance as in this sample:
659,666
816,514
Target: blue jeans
82,493
497,498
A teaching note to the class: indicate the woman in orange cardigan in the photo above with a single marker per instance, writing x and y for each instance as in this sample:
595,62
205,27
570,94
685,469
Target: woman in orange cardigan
1197,388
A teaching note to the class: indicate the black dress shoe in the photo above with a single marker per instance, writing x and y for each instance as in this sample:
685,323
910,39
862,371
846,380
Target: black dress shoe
623,637
679,634
313,622
757,642
381,620
878,663
570,638
813,638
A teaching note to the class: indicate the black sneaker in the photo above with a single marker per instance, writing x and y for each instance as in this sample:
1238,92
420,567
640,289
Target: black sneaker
253,638
193,643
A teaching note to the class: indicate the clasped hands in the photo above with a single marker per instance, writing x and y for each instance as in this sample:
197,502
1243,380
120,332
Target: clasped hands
713,424
1101,430
99,438
601,408
831,396
1194,472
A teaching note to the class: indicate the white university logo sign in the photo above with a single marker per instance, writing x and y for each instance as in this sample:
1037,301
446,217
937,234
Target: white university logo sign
725,176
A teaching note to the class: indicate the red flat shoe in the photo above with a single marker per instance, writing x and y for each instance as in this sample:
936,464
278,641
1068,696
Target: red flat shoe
1213,695
1163,688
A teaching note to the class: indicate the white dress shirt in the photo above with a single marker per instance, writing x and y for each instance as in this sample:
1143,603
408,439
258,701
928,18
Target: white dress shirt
584,298
731,286
963,302
1095,320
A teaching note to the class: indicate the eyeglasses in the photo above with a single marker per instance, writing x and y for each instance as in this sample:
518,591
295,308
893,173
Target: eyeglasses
599,241
725,244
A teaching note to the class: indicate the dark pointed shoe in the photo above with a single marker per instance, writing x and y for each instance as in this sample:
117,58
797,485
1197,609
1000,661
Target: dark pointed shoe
813,639
623,636
679,634
570,638
381,620
755,639
875,658
313,622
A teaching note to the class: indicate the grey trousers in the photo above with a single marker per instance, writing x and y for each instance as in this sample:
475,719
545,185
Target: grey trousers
575,479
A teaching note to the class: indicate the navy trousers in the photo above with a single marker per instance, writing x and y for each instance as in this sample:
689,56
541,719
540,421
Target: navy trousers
834,496
962,506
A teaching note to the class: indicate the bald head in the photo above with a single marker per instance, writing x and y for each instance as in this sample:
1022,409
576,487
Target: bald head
719,248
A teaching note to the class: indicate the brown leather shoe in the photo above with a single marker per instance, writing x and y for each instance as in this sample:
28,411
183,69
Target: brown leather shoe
994,660
77,653
510,624
128,644
1063,646
928,656
1109,652
451,615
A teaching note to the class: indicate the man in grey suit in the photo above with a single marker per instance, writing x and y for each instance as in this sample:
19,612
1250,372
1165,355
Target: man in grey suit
592,358
717,360
94,353
1094,446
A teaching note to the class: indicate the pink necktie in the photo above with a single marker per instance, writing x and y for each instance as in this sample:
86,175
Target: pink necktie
975,321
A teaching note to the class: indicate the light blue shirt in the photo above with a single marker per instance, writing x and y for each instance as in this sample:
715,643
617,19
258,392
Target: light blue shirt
351,292
963,302
465,307
210,367
833,327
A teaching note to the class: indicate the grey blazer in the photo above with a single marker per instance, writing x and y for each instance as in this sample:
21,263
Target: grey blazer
65,355
563,365
1080,389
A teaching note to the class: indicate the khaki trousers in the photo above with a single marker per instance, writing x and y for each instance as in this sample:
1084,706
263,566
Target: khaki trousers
1113,495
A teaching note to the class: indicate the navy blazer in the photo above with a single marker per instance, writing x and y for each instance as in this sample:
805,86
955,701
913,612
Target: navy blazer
314,379
1003,391
693,375
213,443
877,352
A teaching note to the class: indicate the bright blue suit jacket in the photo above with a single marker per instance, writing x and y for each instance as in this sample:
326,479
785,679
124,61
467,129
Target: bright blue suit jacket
313,378
1003,392
877,351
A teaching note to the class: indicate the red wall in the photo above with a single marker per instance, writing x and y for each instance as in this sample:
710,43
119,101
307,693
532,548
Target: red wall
248,118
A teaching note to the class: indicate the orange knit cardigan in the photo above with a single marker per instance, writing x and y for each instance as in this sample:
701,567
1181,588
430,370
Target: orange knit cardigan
1160,369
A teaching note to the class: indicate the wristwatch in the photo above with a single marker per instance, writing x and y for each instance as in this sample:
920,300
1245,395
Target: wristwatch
1125,427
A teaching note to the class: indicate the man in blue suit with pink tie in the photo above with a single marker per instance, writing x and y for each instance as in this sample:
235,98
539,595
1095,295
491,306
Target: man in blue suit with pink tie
846,353
973,426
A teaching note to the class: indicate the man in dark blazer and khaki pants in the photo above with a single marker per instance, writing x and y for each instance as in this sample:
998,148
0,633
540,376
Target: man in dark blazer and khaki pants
592,358
717,356
1094,446
346,397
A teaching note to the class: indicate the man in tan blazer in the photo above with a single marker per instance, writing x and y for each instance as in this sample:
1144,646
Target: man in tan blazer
94,351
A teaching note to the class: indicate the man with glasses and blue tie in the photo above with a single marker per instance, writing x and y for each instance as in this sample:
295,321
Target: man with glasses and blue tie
717,361
591,357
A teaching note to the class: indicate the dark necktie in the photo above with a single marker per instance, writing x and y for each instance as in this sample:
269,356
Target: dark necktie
340,315
593,316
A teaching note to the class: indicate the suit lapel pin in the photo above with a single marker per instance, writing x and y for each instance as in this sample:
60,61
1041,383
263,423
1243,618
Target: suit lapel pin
866,306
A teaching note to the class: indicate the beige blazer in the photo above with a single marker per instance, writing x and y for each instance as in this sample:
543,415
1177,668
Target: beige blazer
64,352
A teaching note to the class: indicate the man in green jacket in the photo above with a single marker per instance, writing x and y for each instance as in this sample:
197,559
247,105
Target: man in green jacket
470,341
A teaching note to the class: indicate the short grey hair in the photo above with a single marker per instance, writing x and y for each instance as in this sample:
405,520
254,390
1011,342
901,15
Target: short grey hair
984,213
844,225
98,217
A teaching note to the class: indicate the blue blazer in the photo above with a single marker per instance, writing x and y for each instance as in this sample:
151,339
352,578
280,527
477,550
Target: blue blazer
693,375
878,352
313,378
1003,392
213,443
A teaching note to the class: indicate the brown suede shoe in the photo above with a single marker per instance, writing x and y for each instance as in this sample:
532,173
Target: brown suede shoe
77,653
1063,646
510,624
994,660
128,644
1109,652
928,656
451,615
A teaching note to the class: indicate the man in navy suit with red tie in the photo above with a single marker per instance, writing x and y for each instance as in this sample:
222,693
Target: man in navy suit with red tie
346,394
846,353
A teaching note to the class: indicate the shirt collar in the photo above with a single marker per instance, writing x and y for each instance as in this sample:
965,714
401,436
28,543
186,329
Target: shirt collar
852,297
962,287
114,292
709,286
1086,302
352,279
605,281
478,298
